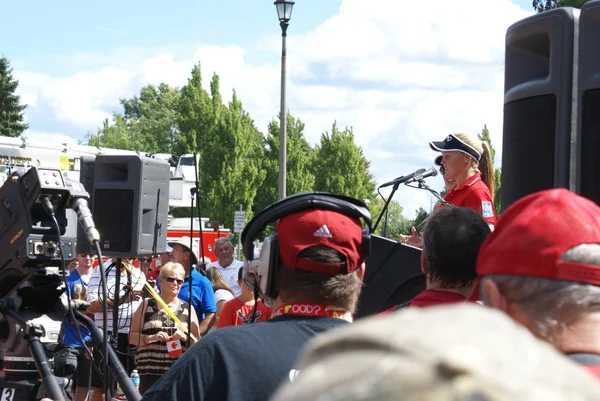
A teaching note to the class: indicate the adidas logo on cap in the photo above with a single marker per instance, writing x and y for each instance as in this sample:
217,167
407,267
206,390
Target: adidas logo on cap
323,232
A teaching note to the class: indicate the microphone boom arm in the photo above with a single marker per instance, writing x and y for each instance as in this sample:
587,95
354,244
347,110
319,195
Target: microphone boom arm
423,185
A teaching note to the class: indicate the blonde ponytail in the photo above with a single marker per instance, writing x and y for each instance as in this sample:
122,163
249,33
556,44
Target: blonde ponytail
486,168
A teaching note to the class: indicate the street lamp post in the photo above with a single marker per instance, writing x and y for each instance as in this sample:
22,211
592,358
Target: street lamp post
284,12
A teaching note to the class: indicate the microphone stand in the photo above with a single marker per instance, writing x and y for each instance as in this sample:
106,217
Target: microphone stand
115,326
198,197
426,187
195,194
113,361
385,207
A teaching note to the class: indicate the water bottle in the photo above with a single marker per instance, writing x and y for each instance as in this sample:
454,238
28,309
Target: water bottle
135,378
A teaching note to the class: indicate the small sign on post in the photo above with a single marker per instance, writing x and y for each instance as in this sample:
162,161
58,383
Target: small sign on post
239,222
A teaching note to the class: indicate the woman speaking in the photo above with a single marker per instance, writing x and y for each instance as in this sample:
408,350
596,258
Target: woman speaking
467,164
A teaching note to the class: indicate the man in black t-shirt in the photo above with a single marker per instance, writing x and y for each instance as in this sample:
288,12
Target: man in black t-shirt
318,285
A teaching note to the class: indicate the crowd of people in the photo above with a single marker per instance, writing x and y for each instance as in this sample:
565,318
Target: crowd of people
145,328
510,311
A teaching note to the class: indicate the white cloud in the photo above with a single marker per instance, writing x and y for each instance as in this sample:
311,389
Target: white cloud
55,138
84,99
399,73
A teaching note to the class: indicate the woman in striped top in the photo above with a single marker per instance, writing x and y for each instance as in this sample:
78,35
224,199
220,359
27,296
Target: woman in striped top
152,327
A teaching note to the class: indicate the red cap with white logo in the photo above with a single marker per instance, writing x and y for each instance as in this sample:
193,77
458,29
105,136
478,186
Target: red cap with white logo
299,231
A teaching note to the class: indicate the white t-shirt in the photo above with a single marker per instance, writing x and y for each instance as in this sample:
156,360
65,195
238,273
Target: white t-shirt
126,309
223,295
230,274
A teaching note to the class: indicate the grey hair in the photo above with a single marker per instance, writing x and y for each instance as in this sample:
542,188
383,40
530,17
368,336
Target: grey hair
551,304
222,240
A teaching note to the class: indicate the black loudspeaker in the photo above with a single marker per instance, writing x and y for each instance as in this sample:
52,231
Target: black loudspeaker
86,178
130,205
587,152
393,276
538,117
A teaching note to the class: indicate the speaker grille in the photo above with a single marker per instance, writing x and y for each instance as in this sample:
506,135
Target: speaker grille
528,147
114,222
590,146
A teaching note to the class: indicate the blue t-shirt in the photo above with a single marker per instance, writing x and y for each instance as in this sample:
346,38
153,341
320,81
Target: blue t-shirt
203,296
78,289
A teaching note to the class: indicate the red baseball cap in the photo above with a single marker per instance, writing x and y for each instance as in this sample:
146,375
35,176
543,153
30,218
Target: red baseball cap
302,230
533,234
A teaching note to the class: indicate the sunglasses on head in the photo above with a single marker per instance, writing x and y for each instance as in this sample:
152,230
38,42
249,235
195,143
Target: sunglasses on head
174,280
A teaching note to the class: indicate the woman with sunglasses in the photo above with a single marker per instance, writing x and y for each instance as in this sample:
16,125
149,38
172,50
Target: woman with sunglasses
152,328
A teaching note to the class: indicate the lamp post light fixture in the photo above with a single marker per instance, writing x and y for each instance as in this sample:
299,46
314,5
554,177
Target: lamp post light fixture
284,13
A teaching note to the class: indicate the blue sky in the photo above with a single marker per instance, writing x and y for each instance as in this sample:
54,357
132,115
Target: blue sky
48,32
399,73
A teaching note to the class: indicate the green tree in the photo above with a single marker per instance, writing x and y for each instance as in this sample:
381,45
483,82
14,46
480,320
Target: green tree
197,115
484,135
393,223
545,5
300,156
119,134
233,163
421,216
340,166
156,112
149,124
231,149
11,110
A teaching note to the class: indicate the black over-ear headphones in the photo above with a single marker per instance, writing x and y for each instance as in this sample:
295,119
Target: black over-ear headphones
266,267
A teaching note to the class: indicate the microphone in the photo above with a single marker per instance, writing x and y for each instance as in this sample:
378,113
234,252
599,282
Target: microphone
79,204
430,172
404,178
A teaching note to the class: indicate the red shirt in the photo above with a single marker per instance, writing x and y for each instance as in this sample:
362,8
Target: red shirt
436,297
235,313
594,370
152,275
430,298
474,194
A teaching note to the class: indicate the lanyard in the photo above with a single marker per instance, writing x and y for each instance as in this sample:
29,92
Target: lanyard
310,309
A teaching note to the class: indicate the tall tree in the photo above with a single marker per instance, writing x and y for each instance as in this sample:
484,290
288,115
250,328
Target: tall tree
11,110
341,167
231,149
545,5
198,119
484,135
232,164
300,156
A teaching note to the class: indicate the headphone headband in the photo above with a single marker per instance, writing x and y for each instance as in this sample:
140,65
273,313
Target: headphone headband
345,205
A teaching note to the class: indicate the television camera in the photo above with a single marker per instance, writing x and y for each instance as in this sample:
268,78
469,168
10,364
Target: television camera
38,228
